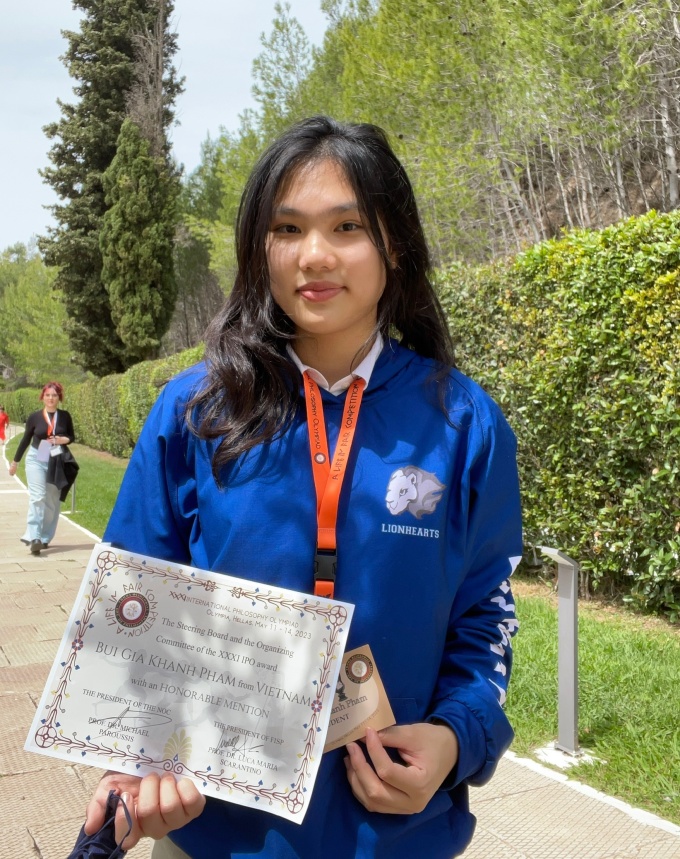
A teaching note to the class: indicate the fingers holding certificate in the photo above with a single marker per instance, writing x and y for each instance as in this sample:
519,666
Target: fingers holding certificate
170,669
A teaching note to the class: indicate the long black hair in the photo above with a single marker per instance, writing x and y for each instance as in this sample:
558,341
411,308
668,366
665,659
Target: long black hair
251,392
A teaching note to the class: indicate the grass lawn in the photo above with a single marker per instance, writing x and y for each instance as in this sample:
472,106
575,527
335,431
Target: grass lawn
629,672
629,697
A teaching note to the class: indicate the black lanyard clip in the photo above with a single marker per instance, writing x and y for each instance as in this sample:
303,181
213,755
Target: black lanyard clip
325,564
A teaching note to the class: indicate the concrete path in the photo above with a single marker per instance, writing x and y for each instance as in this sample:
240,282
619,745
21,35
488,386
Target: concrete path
526,812
42,799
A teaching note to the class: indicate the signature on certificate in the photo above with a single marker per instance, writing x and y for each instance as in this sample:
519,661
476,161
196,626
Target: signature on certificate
237,744
133,719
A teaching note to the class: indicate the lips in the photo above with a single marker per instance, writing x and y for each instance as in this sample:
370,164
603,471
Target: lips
319,291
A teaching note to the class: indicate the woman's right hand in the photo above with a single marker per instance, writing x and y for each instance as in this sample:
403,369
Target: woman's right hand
12,469
157,805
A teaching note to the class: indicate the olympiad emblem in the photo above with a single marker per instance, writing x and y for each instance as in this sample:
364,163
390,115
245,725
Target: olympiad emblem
134,612
131,610
359,668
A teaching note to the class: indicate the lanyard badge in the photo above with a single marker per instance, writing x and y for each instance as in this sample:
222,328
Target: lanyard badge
329,477
51,427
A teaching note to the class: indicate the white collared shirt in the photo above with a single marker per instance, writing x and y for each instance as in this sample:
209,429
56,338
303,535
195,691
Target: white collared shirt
363,370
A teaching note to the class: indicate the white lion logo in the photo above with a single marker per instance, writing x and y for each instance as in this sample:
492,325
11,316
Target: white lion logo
413,489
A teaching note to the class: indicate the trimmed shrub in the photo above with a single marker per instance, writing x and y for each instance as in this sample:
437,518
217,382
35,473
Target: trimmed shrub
20,403
579,340
140,385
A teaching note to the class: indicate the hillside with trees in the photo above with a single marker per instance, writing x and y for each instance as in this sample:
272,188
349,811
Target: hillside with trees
516,119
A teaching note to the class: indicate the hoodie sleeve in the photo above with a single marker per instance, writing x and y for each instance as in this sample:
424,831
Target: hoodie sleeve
475,667
155,511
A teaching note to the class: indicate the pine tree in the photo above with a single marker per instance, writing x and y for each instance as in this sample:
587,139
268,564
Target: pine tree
107,58
279,71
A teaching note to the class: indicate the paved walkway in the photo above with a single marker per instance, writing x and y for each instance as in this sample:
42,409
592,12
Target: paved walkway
527,811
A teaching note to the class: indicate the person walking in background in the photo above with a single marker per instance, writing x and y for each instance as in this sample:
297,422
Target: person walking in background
47,431
229,475
4,423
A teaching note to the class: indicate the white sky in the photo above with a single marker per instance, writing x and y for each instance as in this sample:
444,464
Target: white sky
218,40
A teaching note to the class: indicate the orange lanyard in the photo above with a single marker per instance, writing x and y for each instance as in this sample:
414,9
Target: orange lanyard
329,477
50,426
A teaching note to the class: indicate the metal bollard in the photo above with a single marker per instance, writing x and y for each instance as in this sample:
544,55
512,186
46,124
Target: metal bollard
567,650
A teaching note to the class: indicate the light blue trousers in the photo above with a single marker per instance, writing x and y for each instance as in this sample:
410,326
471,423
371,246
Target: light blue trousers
43,501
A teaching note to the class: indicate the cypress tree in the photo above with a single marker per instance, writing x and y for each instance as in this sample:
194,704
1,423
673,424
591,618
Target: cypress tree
107,59
136,242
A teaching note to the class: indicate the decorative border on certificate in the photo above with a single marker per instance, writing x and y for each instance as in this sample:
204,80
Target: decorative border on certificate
119,601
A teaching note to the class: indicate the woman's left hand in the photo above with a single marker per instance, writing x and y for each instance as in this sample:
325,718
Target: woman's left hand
429,753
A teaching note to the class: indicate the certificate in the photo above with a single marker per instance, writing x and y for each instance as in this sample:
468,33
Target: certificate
167,668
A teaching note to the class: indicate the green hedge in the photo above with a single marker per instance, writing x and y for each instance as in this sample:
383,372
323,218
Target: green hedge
108,413
19,404
579,340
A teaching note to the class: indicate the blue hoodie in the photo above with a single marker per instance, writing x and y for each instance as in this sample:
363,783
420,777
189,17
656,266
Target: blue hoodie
429,530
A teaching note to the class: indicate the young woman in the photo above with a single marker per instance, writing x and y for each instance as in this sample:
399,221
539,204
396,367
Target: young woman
332,263
47,430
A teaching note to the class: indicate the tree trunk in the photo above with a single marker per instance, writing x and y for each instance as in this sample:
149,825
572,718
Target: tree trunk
507,170
581,190
533,199
671,162
587,161
636,161
621,197
554,154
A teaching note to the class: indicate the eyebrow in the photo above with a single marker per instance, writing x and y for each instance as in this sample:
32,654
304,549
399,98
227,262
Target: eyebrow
289,211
